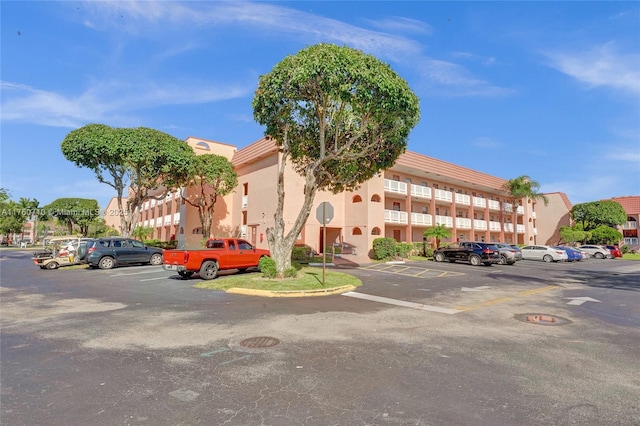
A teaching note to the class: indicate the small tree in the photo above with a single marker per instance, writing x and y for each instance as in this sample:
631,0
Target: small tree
212,176
520,188
571,235
142,232
438,232
338,116
594,214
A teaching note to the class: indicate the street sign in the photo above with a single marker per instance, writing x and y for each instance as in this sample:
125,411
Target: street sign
324,212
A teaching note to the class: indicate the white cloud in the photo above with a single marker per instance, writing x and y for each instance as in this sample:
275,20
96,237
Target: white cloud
600,66
398,23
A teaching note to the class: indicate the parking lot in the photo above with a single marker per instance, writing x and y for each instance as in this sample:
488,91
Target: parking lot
418,343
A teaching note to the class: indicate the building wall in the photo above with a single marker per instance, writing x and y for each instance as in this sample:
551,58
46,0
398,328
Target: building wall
551,217
631,228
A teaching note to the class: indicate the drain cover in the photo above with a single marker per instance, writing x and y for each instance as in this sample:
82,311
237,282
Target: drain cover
259,342
542,319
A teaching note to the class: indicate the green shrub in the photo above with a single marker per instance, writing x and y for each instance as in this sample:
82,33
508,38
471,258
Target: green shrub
291,272
418,249
301,253
384,248
625,249
403,249
268,267
429,252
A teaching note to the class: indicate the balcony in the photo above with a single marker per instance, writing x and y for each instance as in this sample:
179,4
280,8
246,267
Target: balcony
441,195
395,187
494,205
480,225
630,225
520,210
479,202
508,227
245,201
446,221
535,231
167,220
533,215
419,219
153,203
176,219
507,207
243,231
394,216
495,226
463,199
158,221
420,191
463,223
520,229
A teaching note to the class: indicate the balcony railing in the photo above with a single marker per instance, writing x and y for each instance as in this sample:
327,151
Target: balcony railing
394,216
176,218
420,219
442,195
520,229
533,215
479,202
494,226
447,221
463,222
245,201
420,191
630,225
508,227
520,210
507,207
167,220
480,225
243,231
463,199
494,205
395,186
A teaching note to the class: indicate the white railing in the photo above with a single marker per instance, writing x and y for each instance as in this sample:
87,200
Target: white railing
533,215
176,218
167,220
447,221
442,195
508,227
420,191
395,186
421,219
245,201
153,203
463,222
507,207
480,225
145,223
243,231
394,216
146,205
520,229
535,231
169,196
520,210
494,226
494,205
158,221
630,225
463,199
479,202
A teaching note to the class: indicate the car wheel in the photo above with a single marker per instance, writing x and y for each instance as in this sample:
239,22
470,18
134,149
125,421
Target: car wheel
106,263
438,257
208,270
547,258
475,260
511,263
156,259
185,275
598,255
503,260
52,265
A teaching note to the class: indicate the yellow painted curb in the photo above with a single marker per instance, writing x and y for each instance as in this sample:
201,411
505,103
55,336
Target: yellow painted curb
291,293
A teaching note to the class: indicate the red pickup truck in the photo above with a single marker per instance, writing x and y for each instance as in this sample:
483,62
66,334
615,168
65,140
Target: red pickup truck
219,254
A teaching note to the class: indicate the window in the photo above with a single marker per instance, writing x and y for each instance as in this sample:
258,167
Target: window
203,145
215,244
137,244
375,198
243,245
356,231
396,177
197,230
425,210
425,184
375,231
356,199
396,206
232,245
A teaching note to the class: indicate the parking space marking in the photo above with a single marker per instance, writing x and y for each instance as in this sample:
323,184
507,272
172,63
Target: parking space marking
402,303
153,279
410,271
124,274
499,300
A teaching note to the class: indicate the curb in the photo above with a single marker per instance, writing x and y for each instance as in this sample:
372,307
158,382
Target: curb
291,293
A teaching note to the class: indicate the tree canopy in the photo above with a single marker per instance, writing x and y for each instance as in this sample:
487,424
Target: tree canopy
212,176
81,212
142,160
593,214
438,232
339,116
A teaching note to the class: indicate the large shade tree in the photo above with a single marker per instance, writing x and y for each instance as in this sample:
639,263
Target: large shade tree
211,176
146,162
338,116
81,212
520,188
597,213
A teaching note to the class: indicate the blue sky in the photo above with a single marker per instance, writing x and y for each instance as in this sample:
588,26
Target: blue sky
545,89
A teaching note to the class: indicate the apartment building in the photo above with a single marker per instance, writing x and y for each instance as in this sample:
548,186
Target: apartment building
631,227
400,203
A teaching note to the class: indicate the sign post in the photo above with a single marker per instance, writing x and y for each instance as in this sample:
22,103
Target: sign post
324,214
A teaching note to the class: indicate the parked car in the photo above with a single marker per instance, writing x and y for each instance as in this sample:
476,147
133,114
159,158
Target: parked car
599,252
615,251
508,254
106,253
573,255
469,251
545,253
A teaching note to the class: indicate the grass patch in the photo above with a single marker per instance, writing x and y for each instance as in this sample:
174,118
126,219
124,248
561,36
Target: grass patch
630,256
308,278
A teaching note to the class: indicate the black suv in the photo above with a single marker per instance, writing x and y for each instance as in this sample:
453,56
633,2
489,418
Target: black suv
469,251
106,253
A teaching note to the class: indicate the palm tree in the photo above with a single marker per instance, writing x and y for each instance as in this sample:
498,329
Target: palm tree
438,232
520,188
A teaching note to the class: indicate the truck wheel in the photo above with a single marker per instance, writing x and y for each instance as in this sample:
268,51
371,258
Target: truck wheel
208,270
185,275
106,263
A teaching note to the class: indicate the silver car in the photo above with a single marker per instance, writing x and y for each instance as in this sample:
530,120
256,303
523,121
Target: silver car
544,253
508,254
599,252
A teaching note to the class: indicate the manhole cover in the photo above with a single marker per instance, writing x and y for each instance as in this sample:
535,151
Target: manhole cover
259,342
542,319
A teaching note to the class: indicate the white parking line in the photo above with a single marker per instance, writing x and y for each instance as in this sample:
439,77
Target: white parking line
401,303
123,274
153,279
